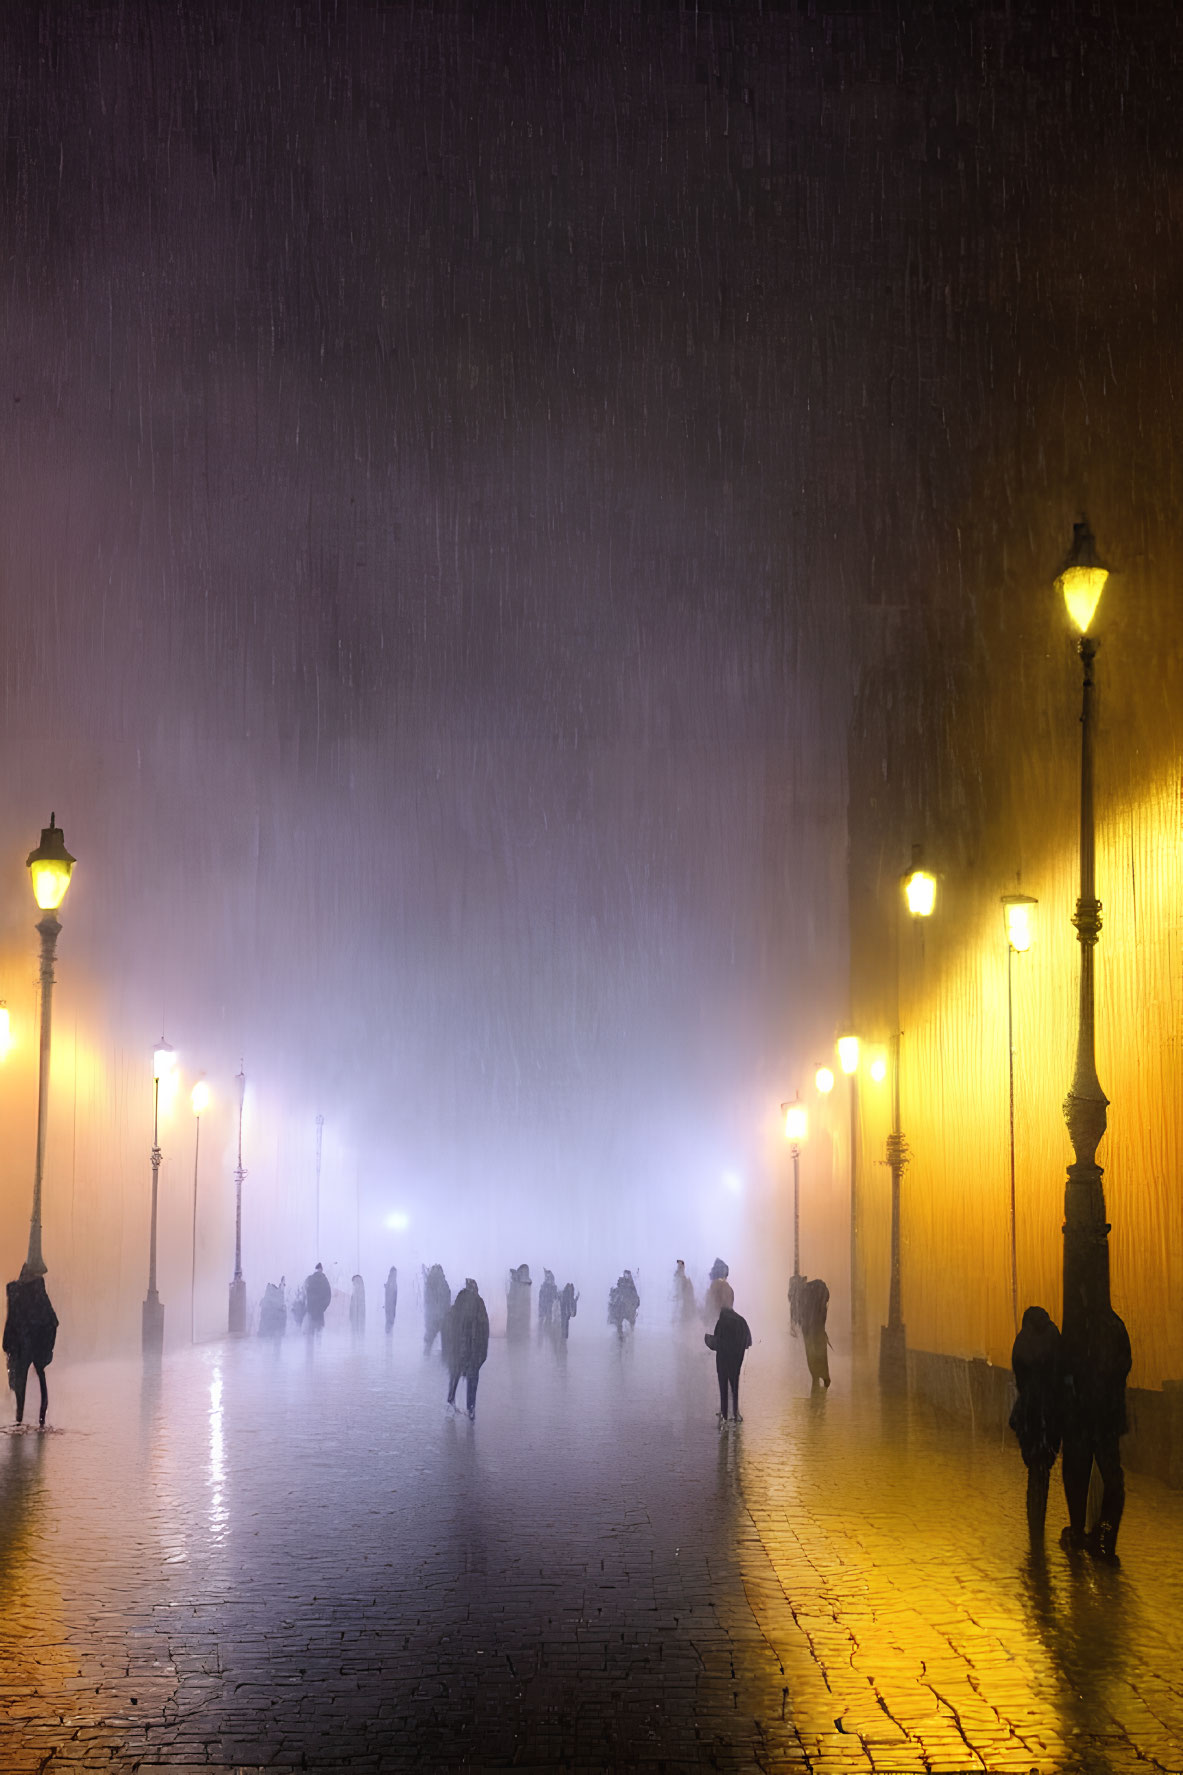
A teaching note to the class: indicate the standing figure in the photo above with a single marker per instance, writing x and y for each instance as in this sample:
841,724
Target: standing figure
720,1294
548,1300
623,1303
437,1298
568,1301
517,1305
464,1337
357,1307
1037,1417
684,1302
815,1302
1095,1366
729,1340
299,1306
796,1297
273,1312
30,1331
317,1295
390,1293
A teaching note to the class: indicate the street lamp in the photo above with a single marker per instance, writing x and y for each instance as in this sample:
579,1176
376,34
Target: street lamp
237,1318
1018,911
848,1060
920,895
199,1098
1086,1231
152,1315
823,1078
796,1130
50,867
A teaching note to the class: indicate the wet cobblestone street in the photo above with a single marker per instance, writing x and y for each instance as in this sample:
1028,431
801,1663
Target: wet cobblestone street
290,1556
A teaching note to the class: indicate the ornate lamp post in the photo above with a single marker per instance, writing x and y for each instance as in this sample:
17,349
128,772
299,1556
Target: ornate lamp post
920,895
199,1098
1086,1231
796,1130
237,1319
50,867
152,1314
1019,913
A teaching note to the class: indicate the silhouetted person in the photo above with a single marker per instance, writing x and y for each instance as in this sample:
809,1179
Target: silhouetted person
1038,1413
437,1298
815,1304
299,1306
317,1295
719,1294
685,1305
30,1331
517,1304
465,1341
273,1312
796,1293
623,1303
357,1307
390,1296
548,1300
729,1340
1095,1365
568,1301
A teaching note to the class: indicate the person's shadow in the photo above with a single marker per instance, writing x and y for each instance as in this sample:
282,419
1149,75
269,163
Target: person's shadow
1080,1610
20,1505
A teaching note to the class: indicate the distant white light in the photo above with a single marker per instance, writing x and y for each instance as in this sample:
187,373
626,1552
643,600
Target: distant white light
398,1222
823,1078
733,1182
879,1068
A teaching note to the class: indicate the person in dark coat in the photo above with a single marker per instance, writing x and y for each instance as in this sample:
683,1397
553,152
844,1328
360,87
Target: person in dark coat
465,1340
685,1306
390,1293
719,1294
1037,1417
1095,1364
548,1300
624,1303
317,1295
815,1304
568,1302
437,1298
729,1340
30,1332
517,1305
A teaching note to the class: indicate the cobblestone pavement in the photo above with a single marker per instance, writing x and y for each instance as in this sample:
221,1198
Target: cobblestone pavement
290,1557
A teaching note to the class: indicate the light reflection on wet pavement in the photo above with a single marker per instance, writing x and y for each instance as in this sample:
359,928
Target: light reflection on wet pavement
290,1556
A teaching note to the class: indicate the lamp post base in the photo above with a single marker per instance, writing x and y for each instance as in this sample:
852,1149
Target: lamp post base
237,1320
893,1358
152,1325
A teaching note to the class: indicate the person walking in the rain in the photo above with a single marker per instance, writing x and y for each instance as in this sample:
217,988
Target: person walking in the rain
273,1312
1038,1412
548,1300
357,1307
684,1302
517,1305
720,1294
437,1298
465,1339
1095,1365
390,1297
30,1332
815,1303
729,1340
568,1302
317,1295
624,1303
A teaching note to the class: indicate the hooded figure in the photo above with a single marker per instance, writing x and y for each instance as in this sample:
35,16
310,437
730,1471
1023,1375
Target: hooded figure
815,1302
684,1302
390,1293
465,1339
720,1294
517,1304
548,1300
729,1340
357,1307
30,1331
437,1298
568,1301
1037,1417
273,1312
1095,1362
317,1295
624,1303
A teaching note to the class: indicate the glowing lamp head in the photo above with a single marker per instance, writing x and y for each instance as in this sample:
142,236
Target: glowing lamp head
200,1097
796,1121
920,891
1082,577
49,868
848,1050
1019,913
878,1068
164,1058
823,1078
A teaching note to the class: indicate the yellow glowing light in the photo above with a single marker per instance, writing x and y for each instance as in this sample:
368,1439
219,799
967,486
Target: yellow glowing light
49,868
878,1068
796,1121
920,891
164,1058
5,1032
824,1080
848,1050
1019,912
1082,577
199,1097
